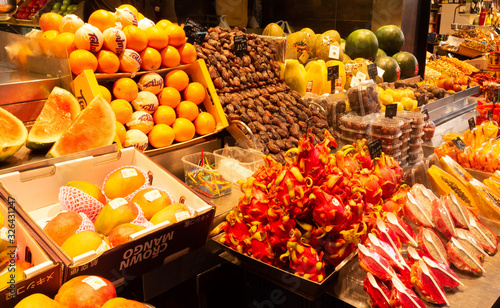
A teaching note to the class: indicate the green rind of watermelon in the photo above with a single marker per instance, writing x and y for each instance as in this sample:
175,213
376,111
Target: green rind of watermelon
408,64
361,43
380,53
391,68
390,39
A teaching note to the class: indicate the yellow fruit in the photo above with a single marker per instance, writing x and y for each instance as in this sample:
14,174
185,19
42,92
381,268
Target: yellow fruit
172,213
83,242
400,106
409,93
385,98
122,109
124,181
89,188
116,212
407,103
295,76
314,78
37,300
151,201
106,94
64,225
342,75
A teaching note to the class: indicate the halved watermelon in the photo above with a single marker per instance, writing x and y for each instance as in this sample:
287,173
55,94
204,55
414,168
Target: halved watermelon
13,134
60,109
94,127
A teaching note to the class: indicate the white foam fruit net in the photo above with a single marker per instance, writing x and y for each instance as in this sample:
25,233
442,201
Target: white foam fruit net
73,199
86,224
129,197
140,220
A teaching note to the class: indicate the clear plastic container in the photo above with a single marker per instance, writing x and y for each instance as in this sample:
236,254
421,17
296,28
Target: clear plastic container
346,140
387,140
405,134
392,149
386,126
236,163
403,160
416,136
355,122
407,122
353,133
416,117
405,142
405,150
363,99
429,129
415,155
417,129
204,175
415,147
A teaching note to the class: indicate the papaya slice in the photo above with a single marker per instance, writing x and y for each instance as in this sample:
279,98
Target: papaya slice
488,202
453,168
493,185
444,183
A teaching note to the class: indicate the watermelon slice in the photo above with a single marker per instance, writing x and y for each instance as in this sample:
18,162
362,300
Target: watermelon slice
94,127
60,109
13,134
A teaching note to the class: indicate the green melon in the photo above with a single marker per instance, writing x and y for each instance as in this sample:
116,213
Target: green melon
13,134
380,53
390,67
408,64
361,43
390,39
60,109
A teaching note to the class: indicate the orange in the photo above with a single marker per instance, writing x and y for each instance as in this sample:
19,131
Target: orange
184,129
176,35
164,115
50,21
130,7
130,61
204,123
102,19
136,38
125,88
105,92
188,53
161,136
89,37
63,45
169,96
121,131
46,41
70,23
157,37
107,62
177,79
140,16
126,17
164,24
151,59
114,40
187,110
80,60
194,92
122,109
170,56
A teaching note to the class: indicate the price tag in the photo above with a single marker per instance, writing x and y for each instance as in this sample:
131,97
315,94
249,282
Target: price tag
472,123
380,72
375,148
391,110
334,52
361,76
490,114
303,58
309,86
194,32
421,100
459,143
240,44
333,74
372,71
354,82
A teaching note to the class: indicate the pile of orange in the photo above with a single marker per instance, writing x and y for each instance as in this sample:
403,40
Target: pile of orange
133,48
174,117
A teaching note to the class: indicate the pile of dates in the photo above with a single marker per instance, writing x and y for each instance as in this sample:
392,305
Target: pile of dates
250,91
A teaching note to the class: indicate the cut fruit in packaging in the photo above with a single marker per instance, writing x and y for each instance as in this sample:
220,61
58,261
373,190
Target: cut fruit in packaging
463,259
486,237
458,211
424,198
94,127
414,211
374,263
471,243
404,232
454,168
431,244
442,219
427,285
379,293
444,183
402,296
486,199
444,274
13,135
60,109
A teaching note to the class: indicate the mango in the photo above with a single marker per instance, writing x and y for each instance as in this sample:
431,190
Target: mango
120,234
83,242
85,291
120,302
124,181
151,200
116,212
173,213
64,225
88,188
37,300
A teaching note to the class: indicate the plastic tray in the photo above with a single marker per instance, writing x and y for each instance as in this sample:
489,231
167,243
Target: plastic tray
386,126
387,140
415,155
353,133
236,163
356,122
416,117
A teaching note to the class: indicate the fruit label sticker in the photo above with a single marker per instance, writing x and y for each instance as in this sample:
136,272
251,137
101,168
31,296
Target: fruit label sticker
391,110
472,123
240,44
332,75
195,32
421,100
303,58
116,203
372,71
380,72
361,76
354,82
4,234
95,282
375,148
459,143
334,52
182,215
129,172
309,86
152,195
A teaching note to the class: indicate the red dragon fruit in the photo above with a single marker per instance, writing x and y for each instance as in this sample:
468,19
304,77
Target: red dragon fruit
279,227
292,191
329,212
254,203
362,154
336,183
260,248
388,179
427,285
379,293
367,184
372,262
237,234
403,297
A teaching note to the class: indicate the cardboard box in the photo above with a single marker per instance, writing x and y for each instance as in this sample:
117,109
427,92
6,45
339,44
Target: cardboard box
45,275
149,248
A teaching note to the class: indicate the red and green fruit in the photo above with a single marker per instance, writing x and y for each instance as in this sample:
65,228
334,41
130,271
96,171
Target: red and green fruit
390,67
407,63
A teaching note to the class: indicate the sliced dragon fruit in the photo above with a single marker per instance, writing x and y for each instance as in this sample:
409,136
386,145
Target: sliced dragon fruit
404,232
426,284
414,255
373,263
445,275
442,218
457,210
424,198
386,234
403,297
379,293
468,240
416,212
488,239
463,259
432,245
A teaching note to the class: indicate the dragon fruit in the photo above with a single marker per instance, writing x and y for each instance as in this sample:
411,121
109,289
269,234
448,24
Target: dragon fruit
346,162
260,248
445,275
279,227
379,293
368,184
387,177
372,262
328,211
404,232
363,154
254,203
404,297
237,234
426,284
386,234
292,191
